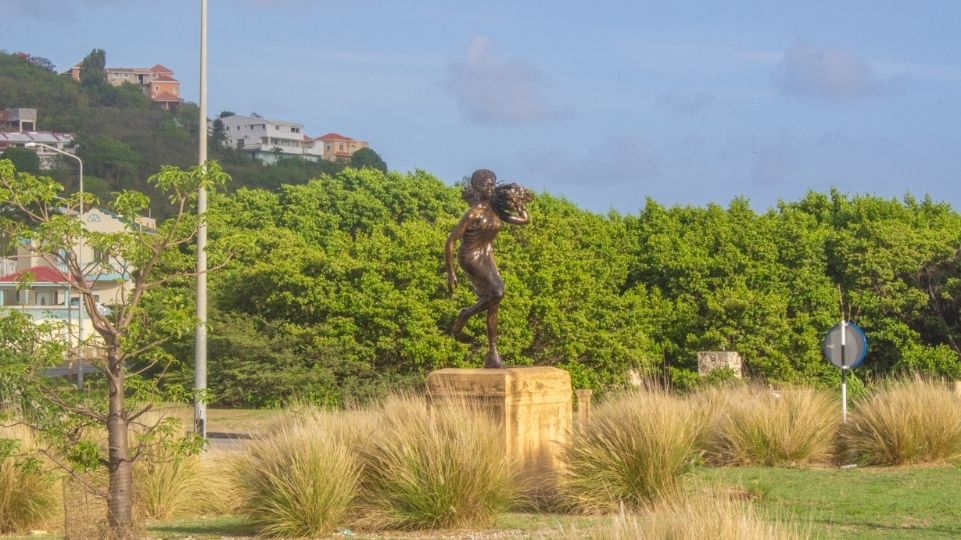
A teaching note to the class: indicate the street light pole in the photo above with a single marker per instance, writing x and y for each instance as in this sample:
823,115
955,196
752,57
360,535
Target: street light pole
79,259
200,343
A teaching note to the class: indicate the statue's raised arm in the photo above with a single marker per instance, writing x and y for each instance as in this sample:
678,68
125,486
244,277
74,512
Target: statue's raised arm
491,206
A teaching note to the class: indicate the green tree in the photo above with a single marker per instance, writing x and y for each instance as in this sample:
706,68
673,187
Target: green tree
366,157
218,135
24,159
93,68
127,334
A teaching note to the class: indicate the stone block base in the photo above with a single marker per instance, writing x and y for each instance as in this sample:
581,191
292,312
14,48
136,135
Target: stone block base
533,404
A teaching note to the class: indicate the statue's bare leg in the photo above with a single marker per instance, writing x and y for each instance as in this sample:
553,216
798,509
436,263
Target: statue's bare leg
493,359
482,303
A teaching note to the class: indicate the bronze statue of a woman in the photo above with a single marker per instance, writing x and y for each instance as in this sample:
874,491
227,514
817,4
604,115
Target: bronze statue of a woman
491,206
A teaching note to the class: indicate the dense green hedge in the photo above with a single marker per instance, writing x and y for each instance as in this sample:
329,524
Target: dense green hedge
345,294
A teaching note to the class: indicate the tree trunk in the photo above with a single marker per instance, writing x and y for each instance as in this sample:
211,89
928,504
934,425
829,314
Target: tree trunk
120,503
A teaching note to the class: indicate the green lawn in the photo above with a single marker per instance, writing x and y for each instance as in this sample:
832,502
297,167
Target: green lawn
508,526
229,420
916,502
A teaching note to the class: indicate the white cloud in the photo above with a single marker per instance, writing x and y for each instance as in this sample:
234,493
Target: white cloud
825,72
490,91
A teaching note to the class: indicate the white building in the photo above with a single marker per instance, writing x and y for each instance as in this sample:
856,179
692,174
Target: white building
265,138
48,158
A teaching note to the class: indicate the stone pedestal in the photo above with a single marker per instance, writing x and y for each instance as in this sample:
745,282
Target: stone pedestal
708,361
533,404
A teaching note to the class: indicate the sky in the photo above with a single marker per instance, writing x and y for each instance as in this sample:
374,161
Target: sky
605,103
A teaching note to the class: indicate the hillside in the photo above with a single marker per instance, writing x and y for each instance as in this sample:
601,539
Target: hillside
123,138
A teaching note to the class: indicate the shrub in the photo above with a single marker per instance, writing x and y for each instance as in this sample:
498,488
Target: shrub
635,450
434,467
908,421
169,478
168,484
299,480
758,426
694,518
28,495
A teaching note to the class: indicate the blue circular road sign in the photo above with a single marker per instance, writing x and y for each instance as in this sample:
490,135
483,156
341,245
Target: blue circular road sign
855,345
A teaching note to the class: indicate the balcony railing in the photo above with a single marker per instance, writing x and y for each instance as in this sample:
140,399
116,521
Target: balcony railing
53,313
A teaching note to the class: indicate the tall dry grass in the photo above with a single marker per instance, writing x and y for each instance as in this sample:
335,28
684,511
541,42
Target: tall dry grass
635,450
442,466
905,422
713,517
754,426
168,479
168,484
29,494
300,480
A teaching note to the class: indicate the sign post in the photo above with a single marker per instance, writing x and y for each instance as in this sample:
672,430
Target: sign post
845,346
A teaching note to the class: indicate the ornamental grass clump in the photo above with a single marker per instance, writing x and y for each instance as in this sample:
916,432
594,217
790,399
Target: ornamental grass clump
904,422
300,480
168,484
693,517
434,467
169,478
634,451
792,426
29,494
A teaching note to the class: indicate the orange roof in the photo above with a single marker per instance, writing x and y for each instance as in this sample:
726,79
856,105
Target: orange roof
166,97
161,69
334,137
41,274
165,78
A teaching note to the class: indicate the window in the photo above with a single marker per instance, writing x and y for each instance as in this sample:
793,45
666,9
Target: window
341,147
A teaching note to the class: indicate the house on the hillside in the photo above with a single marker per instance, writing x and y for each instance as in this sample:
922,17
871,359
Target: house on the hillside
157,82
40,286
18,119
17,129
336,147
266,139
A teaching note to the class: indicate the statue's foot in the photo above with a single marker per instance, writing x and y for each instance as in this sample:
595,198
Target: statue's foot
494,361
459,323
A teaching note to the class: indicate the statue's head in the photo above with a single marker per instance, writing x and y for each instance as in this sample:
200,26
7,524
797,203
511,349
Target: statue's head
483,182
